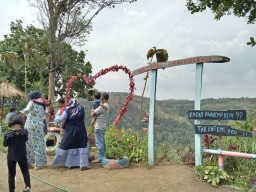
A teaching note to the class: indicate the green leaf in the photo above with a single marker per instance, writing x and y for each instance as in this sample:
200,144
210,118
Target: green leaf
206,171
217,180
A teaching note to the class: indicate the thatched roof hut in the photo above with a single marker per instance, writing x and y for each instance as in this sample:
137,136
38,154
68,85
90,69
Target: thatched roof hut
9,90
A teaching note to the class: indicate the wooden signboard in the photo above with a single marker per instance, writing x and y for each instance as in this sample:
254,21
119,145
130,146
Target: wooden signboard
237,115
192,60
221,130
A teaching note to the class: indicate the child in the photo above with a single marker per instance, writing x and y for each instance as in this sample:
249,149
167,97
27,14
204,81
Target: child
95,105
15,139
61,105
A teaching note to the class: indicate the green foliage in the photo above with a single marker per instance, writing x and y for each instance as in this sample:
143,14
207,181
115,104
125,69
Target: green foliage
176,153
24,46
67,22
251,42
249,124
29,45
166,152
4,127
72,63
240,8
2,148
240,170
132,144
161,54
212,174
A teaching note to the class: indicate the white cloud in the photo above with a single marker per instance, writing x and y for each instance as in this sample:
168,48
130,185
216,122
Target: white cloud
123,35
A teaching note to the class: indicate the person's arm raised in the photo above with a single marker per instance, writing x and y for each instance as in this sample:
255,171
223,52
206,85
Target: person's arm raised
28,108
97,111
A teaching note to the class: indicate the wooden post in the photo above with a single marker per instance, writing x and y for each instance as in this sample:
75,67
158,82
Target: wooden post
151,153
198,90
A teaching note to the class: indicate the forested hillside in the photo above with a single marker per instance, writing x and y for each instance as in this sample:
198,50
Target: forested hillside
173,125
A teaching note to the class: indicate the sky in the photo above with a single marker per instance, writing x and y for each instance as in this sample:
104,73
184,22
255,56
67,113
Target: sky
123,35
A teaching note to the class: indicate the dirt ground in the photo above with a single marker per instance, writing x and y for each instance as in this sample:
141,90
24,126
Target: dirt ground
161,178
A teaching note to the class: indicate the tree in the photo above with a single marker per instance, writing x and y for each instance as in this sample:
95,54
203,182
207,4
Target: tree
240,8
22,53
29,47
72,63
69,21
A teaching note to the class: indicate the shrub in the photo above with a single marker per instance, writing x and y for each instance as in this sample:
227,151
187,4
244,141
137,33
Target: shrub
212,174
132,144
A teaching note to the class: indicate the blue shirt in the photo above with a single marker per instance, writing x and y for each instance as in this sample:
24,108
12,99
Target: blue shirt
96,104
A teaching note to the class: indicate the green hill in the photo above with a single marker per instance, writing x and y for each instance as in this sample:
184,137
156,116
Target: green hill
173,125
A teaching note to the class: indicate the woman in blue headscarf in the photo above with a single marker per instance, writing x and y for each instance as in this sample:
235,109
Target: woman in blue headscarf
36,149
73,151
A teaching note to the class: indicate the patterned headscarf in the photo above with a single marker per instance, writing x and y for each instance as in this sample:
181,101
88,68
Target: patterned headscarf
74,109
73,103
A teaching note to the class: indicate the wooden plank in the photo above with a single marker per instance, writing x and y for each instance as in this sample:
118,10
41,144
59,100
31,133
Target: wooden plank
192,60
238,115
221,130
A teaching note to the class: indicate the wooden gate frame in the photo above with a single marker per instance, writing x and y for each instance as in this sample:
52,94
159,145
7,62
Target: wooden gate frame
153,67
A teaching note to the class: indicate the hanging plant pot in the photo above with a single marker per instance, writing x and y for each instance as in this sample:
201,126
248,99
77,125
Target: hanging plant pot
115,164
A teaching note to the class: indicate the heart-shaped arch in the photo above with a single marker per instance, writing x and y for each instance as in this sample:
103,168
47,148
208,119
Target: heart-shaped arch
91,80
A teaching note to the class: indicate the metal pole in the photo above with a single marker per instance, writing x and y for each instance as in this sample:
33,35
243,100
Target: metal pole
151,152
198,90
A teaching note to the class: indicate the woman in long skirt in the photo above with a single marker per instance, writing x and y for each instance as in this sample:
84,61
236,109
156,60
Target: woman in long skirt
36,148
73,151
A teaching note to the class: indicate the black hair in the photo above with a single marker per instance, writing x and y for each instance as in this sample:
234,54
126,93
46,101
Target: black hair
61,100
16,118
12,110
97,95
105,96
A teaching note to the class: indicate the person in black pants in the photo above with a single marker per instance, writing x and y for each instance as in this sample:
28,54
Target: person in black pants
15,138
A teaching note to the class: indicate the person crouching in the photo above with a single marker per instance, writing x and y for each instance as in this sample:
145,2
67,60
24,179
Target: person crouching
15,138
